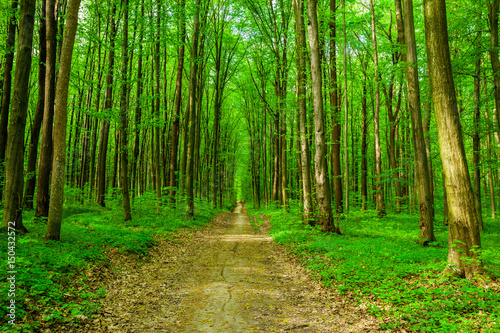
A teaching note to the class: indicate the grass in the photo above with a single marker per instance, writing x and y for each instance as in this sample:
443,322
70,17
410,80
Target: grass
380,263
51,284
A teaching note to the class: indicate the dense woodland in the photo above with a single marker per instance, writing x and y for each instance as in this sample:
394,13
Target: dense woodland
335,106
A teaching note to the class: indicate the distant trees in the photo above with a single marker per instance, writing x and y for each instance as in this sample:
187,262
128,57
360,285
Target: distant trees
217,98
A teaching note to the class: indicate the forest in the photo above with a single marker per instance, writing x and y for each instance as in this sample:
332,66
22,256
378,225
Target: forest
364,135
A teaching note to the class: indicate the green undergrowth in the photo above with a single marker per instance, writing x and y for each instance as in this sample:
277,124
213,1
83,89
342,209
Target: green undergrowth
381,263
52,286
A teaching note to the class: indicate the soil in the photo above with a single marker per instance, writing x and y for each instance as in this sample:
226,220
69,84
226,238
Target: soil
227,277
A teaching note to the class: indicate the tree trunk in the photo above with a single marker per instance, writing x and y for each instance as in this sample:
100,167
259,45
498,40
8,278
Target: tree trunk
301,48
108,103
476,144
323,193
336,124
493,9
178,102
60,124
364,144
38,119
123,120
192,113
421,164
6,91
14,179
376,121
464,238
45,161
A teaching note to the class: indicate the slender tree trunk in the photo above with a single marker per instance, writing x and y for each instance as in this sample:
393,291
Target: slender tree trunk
105,123
476,143
493,9
421,164
38,119
178,102
14,179
45,161
376,121
192,113
124,181
157,128
60,124
346,114
464,237
301,48
6,91
323,193
364,144
336,124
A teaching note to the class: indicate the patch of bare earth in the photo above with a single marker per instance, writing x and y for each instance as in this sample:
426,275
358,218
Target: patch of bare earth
227,277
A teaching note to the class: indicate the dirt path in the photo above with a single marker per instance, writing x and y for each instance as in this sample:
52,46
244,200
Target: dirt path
228,277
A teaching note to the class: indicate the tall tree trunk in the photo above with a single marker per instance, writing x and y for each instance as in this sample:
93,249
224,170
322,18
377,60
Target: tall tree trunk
346,114
7,84
157,127
14,179
60,124
29,191
493,9
421,165
301,48
178,102
376,120
105,124
192,113
45,161
364,144
476,143
464,237
123,120
324,216
336,124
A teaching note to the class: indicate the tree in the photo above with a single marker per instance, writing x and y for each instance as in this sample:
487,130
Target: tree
124,181
376,121
7,84
192,113
14,180
46,149
464,238
60,124
425,209
38,119
301,49
323,193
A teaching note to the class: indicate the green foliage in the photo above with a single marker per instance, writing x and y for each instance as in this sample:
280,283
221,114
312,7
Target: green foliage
51,284
380,262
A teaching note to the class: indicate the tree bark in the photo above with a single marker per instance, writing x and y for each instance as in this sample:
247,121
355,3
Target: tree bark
7,86
323,193
124,181
376,120
108,103
464,237
493,9
192,113
476,143
14,179
29,191
424,194
301,49
60,124
45,161
174,168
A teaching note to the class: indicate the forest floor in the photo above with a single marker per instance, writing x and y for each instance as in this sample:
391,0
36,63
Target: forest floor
227,277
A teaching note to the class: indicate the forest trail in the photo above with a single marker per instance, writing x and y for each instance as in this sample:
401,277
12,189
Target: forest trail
226,277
